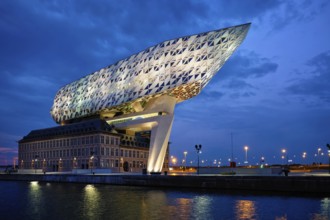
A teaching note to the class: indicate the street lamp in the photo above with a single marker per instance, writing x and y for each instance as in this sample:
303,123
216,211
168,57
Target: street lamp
35,164
92,162
185,159
318,155
304,155
246,149
173,160
329,159
198,149
262,161
285,156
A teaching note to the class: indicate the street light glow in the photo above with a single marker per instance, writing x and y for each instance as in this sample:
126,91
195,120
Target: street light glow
246,149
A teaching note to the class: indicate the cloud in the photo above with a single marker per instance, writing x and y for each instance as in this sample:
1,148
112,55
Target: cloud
7,150
315,82
237,78
248,64
290,12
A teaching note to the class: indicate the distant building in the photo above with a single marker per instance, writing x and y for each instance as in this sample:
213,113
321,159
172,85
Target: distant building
91,144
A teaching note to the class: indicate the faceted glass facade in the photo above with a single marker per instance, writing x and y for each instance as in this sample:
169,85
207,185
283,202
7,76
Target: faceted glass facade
179,68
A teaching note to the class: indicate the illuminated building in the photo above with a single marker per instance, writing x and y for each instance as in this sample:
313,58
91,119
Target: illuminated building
91,144
139,93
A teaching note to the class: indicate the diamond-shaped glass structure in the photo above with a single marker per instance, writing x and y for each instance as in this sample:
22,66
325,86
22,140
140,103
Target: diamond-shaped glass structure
179,68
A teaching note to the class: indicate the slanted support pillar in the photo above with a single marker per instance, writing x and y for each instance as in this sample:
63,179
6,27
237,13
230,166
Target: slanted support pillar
160,133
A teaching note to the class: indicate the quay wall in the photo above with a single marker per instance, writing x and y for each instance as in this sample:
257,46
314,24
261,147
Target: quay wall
294,184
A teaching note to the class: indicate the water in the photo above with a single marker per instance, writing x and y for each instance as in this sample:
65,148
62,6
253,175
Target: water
33,200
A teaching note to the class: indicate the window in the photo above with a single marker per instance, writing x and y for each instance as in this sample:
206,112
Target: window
107,151
91,139
106,140
116,152
112,152
112,140
137,154
96,139
102,139
102,151
121,153
83,140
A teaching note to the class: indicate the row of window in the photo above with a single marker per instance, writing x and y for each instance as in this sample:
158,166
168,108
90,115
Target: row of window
106,163
68,142
83,152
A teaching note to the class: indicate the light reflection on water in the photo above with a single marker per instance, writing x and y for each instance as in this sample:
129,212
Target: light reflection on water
245,209
91,205
79,201
35,198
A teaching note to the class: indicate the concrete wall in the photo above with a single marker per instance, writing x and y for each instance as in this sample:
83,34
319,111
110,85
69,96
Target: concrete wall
237,170
296,184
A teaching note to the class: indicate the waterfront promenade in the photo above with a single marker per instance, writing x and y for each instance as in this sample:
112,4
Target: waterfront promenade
319,183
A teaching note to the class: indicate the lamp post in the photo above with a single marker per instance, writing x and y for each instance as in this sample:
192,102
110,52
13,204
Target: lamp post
35,163
173,160
246,150
185,159
328,146
318,155
262,161
92,162
329,160
285,156
198,149
304,155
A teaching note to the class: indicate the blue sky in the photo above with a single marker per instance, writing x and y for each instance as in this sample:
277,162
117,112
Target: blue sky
273,93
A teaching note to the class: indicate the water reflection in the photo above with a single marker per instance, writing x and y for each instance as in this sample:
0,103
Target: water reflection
183,207
91,202
154,204
202,207
245,209
33,200
324,212
35,197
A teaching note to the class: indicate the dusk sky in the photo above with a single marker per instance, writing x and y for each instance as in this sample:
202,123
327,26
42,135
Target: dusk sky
273,93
